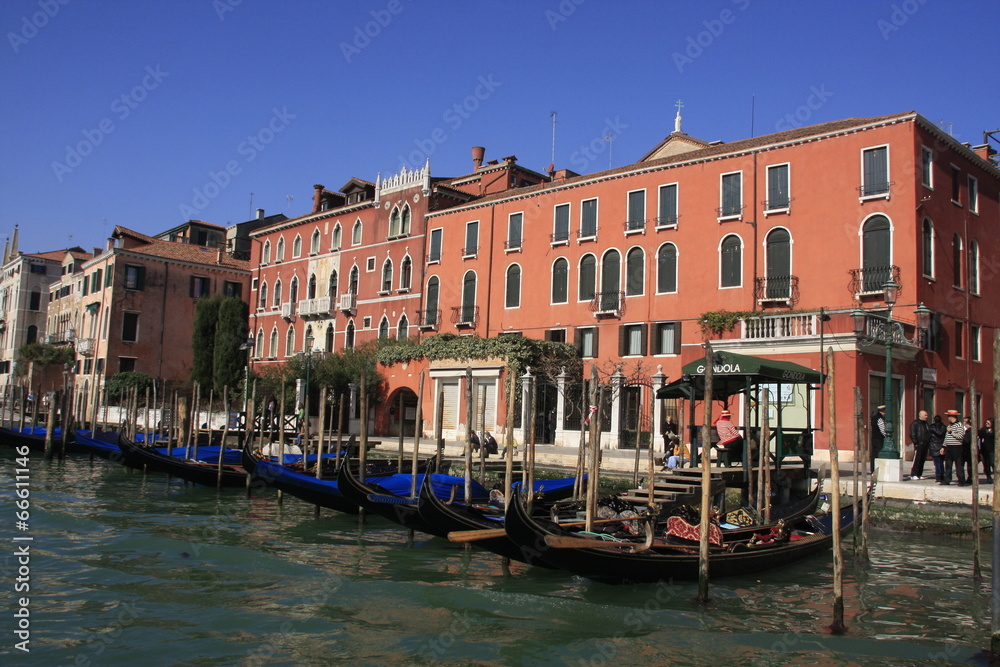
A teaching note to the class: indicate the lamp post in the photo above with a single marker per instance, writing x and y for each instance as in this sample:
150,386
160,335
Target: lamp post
248,346
873,329
307,358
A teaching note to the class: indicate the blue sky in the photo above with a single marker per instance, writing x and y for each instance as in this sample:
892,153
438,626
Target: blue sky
145,114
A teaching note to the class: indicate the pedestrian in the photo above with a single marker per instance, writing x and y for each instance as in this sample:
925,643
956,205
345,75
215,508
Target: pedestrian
987,442
669,434
877,433
920,436
730,439
967,447
474,441
954,432
937,433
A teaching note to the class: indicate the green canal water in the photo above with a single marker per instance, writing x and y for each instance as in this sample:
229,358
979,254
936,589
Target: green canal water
132,569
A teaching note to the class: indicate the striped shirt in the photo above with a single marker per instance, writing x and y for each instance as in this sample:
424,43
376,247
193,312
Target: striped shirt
954,435
727,431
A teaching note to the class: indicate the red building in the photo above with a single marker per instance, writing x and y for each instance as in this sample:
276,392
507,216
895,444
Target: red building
624,263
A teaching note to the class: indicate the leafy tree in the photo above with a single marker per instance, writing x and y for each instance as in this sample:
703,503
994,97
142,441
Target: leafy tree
206,318
230,356
120,384
46,355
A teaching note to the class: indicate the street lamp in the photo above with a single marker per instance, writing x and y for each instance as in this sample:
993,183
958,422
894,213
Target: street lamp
307,358
873,329
247,346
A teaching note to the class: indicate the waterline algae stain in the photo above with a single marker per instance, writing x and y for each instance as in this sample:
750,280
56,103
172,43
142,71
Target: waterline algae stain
131,569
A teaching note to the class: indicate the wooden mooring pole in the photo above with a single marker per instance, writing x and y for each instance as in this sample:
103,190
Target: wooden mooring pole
977,572
837,627
995,618
706,475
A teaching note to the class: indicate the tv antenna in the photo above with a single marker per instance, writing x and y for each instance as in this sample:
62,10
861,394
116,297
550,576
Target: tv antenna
554,121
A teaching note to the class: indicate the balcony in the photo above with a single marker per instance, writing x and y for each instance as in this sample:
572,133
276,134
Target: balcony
315,307
867,281
349,302
470,251
777,290
777,205
608,304
799,325
428,320
465,316
288,310
876,189
635,226
85,347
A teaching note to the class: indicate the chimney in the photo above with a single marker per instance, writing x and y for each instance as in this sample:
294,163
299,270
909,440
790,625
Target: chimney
317,198
110,245
97,251
218,257
260,214
477,157
984,151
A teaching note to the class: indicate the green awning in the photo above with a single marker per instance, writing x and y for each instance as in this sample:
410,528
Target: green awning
734,373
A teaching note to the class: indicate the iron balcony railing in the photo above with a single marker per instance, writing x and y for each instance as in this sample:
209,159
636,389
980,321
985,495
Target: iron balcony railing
428,319
873,189
609,303
777,288
465,316
869,280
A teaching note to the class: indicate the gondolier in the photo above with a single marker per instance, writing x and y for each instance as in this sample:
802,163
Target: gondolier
730,439
953,449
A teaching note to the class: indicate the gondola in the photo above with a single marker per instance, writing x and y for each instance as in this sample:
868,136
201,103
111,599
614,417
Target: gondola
324,491
630,562
389,500
198,472
103,444
33,437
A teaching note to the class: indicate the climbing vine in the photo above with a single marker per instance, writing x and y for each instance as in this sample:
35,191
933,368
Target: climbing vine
719,321
517,352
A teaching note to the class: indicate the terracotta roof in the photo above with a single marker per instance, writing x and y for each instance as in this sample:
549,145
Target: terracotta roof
58,255
182,252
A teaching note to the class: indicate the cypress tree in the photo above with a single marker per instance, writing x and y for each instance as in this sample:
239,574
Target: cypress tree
230,335
206,318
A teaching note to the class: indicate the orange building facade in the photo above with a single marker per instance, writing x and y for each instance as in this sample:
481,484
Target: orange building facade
624,263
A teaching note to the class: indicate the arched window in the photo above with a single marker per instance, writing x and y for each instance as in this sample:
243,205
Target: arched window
387,276
611,281
311,289
265,254
588,277
927,251
338,234
277,295
956,259
356,233
666,269
383,328
293,293
404,225
469,297
279,254
560,281
635,272
314,245
403,329
512,297
31,335
258,348
974,266
272,348
405,273
876,261
297,246
731,262
349,336
329,338
332,289
290,342
778,261
352,285
394,223
308,346
262,302
430,317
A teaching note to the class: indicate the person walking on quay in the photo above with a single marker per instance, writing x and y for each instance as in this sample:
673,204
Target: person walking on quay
878,434
955,431
987,442
937,433
920,436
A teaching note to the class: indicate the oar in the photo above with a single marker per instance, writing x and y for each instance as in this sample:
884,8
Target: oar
490,533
